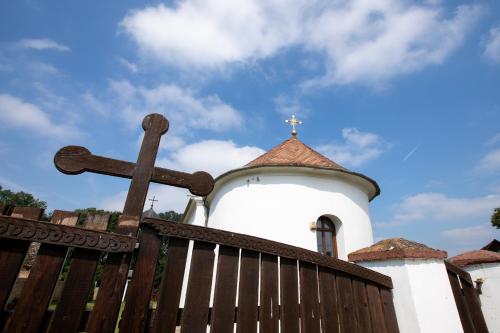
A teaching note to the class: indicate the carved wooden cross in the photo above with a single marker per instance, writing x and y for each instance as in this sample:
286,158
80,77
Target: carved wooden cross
74,160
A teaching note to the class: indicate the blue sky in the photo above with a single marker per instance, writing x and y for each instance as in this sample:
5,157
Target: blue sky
406,92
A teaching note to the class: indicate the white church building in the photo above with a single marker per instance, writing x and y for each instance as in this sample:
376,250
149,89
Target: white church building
294,195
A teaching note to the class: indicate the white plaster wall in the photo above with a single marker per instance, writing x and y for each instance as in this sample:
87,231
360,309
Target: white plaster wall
423,298
199,214
490,297
281,205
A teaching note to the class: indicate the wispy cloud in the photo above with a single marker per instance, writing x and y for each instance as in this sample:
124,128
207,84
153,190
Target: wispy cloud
478,235
42,44
358,148
490,162
492,45
359,41
437,207
128,65
410,153
17,113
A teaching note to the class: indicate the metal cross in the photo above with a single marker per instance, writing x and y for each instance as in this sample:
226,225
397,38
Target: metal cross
153,201
293,122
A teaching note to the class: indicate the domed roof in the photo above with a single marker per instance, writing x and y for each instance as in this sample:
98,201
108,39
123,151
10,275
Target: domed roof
475,257
293,152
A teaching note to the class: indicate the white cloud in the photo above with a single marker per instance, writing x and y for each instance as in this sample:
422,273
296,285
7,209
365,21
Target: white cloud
95,105
358,149
17,113
182,107
360,41
490,162
129,65
494,140
213,156
492,45
478,235
42,44
437,207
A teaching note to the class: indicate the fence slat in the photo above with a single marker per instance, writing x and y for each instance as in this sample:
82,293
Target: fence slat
474,307
35,296
195,313
328,300
269,301
107,304
346,303
3,208
389,310
309,305
248,292
171,285
135,314
225,290
289,314
375,305
78,283
361,306
461,303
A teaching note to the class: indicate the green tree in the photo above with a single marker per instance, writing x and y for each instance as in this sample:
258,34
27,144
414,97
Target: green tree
22,199
171,215
495,218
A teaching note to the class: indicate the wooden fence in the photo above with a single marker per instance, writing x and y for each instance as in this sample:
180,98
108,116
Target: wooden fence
466,299
234,282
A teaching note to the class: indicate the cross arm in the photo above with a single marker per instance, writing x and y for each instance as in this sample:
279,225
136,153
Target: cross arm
74,160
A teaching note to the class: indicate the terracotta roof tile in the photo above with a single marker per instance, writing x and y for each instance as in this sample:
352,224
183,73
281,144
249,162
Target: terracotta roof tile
294,152
396,248
475,257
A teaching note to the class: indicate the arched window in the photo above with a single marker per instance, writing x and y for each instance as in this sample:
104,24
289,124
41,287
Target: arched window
326,237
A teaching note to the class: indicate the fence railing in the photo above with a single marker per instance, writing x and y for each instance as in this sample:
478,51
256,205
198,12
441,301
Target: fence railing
211,280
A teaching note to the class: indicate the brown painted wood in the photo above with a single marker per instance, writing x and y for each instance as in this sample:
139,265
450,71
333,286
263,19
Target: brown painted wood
35,296
328,300
289,313
225,291
474,306
309,302
389,310
361,306
188,231
12,253
269,301
375,306
3,208
170,288
463,310
78,284
346,303
195,313
458,271
134,315
248,292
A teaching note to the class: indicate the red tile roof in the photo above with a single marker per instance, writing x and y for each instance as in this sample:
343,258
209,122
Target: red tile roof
294,152
396,248
475,257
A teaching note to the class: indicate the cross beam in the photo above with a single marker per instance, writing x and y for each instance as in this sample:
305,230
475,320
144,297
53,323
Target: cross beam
75,159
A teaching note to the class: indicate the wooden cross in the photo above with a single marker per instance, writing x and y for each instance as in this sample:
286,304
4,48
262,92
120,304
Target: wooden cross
153,201
74,160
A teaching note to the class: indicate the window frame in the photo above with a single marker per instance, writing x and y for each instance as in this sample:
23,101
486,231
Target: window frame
325,231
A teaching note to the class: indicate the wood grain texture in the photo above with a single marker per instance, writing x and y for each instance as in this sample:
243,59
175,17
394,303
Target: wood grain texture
135,314
12,253
474,306
225,291
248,292
346,303
375,306
461,303
289,313
389,310
269,301
309,301
78,285
171,285
361,306
195,313
35,296
329,306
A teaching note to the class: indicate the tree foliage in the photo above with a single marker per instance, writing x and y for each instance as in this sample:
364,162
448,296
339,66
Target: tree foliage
495,218
171,215
22,199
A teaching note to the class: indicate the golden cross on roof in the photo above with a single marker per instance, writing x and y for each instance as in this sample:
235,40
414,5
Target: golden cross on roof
153,201
293,122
